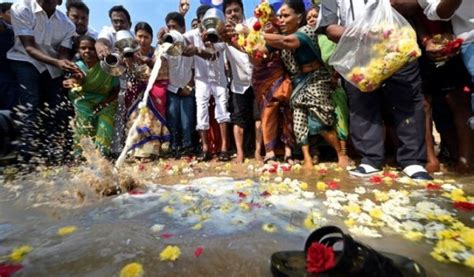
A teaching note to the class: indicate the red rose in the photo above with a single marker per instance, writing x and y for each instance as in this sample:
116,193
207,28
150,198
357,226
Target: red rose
319,258
257,26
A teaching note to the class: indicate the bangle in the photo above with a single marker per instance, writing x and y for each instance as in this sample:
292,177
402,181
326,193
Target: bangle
188,87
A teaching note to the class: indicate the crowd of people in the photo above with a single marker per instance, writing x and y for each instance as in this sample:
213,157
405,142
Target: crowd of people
285,102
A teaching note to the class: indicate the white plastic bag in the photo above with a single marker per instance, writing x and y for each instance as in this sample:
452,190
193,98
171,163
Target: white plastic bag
375,46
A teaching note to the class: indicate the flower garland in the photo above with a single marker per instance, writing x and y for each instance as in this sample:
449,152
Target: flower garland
254,40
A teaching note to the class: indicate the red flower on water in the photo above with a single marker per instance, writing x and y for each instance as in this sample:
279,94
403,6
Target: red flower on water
166,236
265,194
7,270
257,26
141,167
319,258
323,171
136,192
167,167
465,206
198,251
241,194
375,180
390,175
333,184
286,167
431,186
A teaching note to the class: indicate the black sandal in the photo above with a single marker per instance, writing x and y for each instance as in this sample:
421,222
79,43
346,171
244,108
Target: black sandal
270,159
204,157
350,258
223,156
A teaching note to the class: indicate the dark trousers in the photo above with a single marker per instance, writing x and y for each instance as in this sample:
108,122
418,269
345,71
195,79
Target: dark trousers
44,113
401,95
180,115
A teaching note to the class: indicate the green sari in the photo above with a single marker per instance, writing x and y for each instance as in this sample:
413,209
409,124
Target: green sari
339,95
95,108
313,108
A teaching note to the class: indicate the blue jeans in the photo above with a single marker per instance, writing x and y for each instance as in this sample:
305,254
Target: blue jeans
44,115
467,53
180,114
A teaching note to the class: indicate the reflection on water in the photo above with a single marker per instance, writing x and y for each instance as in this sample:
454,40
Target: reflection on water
239,219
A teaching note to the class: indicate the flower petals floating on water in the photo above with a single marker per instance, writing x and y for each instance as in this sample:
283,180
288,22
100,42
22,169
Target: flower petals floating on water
157,228
132,270
170,253
198,251
67,230
269,228
7,270
19,253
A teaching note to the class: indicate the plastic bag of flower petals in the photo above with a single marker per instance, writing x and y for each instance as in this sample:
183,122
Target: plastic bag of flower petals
375,46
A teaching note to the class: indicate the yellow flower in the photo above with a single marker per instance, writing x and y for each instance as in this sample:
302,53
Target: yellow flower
304,186
168,209
406,46
467,236
67,230
244,206
457,195
376,213
413,235
449,245
469,262
437,256
290,229
446,234
352,208
321,186
381,196
198,226
170,253
269,228
350,222
132,270
19,253
309,222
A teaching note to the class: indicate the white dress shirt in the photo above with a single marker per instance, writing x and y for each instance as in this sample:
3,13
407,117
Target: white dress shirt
29,19
462,20
108,33
341,12
241,69
180,71
92,33
206,70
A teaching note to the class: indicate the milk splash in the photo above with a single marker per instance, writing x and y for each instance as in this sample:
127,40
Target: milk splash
132,133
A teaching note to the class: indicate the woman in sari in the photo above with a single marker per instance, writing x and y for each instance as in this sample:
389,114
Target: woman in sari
339,96
313,108
273,88
94,97
154,136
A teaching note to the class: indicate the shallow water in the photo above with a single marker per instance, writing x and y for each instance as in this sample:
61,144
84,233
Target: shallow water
114,231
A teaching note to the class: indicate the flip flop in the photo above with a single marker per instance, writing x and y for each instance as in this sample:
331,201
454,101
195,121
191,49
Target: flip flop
351,258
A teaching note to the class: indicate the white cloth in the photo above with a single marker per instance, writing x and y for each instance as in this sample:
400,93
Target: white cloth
108,33
180,71
342,8
92,33
29,19
204,90
462,20
204,70
241,70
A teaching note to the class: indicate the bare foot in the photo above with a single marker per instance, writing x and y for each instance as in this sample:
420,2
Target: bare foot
432,167
239,159
258,157
343,161
308,164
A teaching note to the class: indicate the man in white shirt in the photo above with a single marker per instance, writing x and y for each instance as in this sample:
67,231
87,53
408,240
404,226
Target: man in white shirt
121,20
245,110
43,40
180,106
401,93
461,14
78,13
210,78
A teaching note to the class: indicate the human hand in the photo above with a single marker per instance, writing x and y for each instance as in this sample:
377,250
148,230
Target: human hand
161,33
102,50
71,83
68,66
434,51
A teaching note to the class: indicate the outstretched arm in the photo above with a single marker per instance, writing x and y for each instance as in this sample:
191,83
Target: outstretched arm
282,42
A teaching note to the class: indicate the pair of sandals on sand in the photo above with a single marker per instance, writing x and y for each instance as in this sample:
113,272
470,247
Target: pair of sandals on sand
330,252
